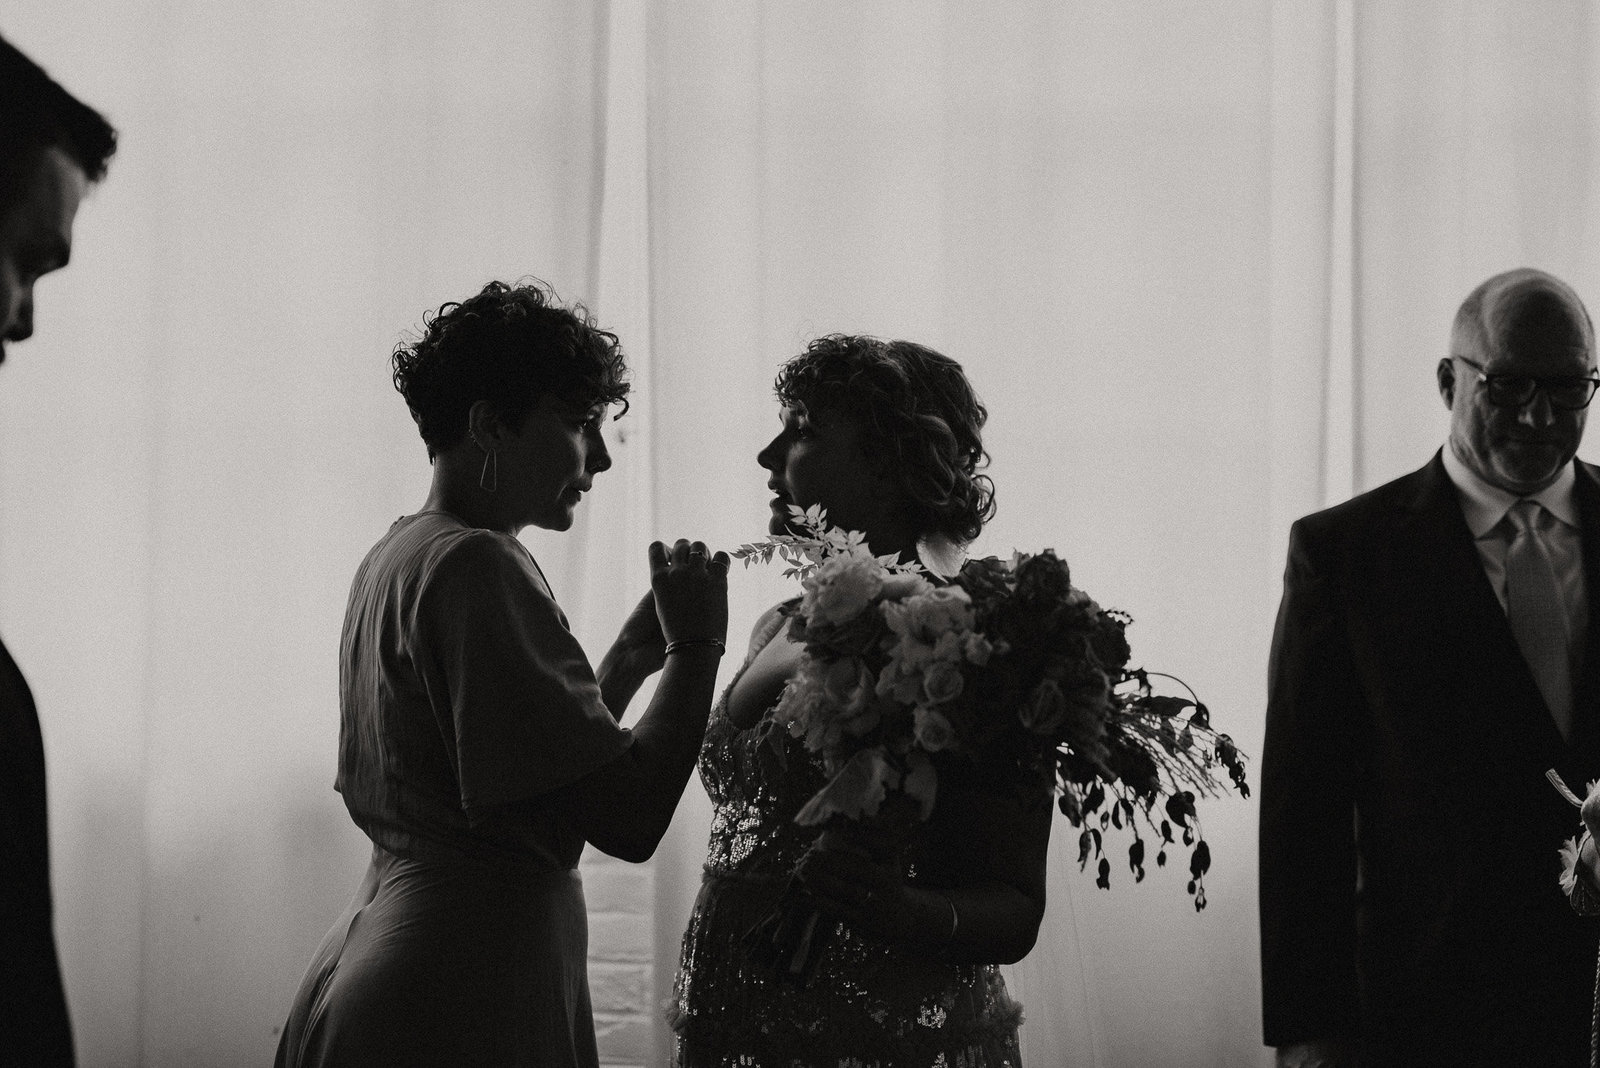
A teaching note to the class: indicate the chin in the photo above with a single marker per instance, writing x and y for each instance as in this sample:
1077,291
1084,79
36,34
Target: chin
557,521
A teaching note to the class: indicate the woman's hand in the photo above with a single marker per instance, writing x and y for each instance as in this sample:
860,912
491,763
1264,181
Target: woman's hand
688,598
640,642
690,589
874,898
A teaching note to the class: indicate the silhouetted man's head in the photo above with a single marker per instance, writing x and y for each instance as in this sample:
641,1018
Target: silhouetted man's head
52,147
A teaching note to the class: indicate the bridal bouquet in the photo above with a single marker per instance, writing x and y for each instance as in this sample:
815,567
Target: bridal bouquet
1007,665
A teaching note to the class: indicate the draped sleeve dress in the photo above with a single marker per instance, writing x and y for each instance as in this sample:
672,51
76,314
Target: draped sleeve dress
464,700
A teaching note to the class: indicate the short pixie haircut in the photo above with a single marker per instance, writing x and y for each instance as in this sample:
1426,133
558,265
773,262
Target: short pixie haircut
509,345
916,410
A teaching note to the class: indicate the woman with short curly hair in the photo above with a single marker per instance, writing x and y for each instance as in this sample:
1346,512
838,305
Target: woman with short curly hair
886,437
477,750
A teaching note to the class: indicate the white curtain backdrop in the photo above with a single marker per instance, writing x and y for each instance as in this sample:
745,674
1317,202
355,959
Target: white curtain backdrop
1198,259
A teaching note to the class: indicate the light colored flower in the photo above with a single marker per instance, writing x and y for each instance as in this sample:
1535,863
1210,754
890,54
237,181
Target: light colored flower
856,791
903,584
932,731
977,649
847,684
1045,708
841,589
942,682
1569,865
948,648
927,616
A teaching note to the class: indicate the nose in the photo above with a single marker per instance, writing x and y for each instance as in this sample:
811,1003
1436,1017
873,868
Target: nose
599,458
1538,412
771,457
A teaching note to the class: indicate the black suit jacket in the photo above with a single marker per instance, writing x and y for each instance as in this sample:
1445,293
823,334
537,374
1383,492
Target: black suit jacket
1409,839
34,1029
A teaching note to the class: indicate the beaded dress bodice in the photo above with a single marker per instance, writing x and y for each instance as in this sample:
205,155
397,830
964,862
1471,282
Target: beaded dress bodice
870,1004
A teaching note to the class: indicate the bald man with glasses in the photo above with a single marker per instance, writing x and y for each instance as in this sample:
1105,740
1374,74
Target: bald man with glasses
1436,652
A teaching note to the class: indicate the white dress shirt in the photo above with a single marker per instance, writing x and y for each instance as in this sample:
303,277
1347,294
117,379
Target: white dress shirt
1485,507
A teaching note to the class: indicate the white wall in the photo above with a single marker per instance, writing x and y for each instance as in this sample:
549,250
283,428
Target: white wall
1198,259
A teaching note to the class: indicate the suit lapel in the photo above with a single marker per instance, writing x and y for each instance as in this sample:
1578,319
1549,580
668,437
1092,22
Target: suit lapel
1585,743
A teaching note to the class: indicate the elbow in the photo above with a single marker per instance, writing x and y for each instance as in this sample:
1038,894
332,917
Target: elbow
1024,937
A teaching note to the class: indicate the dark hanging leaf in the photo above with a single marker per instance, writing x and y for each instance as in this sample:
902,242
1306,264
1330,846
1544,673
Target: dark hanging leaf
1180,807
1097,841
1116,816
1201,717
1136,859
1104,881
1200,860
1161,859
1083,850
1188,836
1166,831
1200,899
1096,797
1166,706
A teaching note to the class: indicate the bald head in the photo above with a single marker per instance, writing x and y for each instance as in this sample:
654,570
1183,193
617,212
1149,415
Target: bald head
1520,346
1521,308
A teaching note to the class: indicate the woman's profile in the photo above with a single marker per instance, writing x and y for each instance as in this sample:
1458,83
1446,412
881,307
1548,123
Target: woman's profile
477,749
885,436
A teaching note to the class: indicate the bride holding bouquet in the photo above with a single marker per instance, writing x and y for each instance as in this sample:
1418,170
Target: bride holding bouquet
884,764
885,436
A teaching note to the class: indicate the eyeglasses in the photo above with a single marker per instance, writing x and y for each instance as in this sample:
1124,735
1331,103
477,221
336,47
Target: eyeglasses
1567,392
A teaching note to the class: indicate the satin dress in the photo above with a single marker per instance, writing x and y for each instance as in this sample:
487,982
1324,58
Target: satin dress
464,699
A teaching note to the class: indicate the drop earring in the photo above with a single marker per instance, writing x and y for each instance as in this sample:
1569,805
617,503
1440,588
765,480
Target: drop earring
489,477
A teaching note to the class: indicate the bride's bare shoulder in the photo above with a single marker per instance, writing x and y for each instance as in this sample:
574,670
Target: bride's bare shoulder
768,665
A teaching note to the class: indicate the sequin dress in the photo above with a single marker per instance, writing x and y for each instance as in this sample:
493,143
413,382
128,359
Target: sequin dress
870,1004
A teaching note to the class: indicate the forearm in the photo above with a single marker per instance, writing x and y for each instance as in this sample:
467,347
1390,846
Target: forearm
620,675
625,807
980,924
668,736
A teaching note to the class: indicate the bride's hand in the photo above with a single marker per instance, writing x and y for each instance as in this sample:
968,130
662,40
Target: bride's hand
867,895
873,898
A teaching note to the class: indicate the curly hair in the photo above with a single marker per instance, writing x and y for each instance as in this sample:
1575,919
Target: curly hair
914,408
509,345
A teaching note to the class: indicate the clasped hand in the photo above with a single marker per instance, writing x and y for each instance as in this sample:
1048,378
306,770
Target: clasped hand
872,897
687,601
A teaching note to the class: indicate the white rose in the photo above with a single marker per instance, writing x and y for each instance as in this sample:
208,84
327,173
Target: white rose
933,731
902,584
942,682
847,684
841,589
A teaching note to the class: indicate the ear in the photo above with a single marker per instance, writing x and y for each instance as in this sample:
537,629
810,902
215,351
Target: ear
1446,374
484,426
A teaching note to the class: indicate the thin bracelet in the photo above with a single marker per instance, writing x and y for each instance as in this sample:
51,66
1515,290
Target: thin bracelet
687,643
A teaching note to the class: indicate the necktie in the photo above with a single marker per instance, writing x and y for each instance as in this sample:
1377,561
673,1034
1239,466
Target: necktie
1534,608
